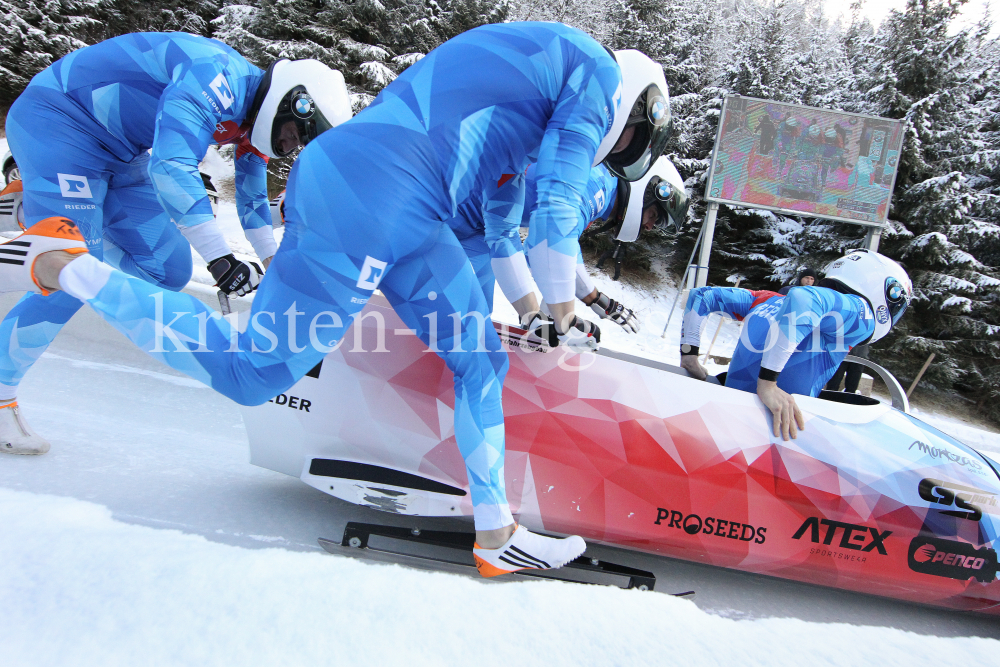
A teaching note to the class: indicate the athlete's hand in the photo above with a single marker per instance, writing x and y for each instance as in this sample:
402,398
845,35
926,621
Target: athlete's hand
540,325
609,309
690,363
234,277
786,414
580,336
267,262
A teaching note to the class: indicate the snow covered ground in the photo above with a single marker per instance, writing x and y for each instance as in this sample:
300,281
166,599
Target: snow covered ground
145,537
80,588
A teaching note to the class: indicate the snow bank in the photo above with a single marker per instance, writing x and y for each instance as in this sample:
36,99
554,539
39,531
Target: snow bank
79,588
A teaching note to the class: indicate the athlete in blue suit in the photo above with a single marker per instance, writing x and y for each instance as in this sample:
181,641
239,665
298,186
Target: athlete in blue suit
367,207
111,135
793,344
489,226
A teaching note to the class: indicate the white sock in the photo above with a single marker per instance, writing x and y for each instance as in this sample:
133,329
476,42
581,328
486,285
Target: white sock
8,393
84,277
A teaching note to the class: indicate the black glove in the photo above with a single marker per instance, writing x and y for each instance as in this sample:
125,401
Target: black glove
613,310
235,277
582,335
540,325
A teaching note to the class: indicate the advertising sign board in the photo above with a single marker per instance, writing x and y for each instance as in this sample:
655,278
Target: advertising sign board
805,161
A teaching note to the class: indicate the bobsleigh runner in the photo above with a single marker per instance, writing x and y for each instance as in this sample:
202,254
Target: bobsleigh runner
634,454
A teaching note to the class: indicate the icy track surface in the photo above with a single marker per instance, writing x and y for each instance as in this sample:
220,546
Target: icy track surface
84,589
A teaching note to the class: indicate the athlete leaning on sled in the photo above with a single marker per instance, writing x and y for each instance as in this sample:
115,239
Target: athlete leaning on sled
367,207
793,344
82,132
488,227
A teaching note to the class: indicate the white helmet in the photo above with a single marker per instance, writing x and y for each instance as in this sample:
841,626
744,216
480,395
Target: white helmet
305,92
879,280
644,104
661,186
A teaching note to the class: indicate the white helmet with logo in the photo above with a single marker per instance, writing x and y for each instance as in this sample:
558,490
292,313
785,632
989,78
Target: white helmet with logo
879,280
305,92
645,106
663,187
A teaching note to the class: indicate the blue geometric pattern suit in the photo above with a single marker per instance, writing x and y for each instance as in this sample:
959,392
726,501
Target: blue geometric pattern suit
367,206
803,335
81,133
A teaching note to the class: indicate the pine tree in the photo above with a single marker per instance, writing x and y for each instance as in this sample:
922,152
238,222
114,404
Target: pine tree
946,232
37,33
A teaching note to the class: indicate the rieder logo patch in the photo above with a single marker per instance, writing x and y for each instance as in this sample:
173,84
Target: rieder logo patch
222,91
371,273
71,185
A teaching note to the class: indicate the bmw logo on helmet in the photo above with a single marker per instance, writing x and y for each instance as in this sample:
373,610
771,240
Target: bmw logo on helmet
658,109
303,106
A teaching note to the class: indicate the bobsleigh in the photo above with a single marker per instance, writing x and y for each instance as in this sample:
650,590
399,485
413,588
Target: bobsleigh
634,454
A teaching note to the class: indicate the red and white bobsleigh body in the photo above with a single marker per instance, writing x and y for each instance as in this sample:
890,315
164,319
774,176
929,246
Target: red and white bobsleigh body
633,453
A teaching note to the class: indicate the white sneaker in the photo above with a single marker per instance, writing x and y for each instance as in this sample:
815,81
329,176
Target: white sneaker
17,256
526,550
16,437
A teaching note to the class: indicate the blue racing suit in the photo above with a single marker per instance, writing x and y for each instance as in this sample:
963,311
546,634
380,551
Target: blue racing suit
82,132
488,228
599,201
367,207
803,336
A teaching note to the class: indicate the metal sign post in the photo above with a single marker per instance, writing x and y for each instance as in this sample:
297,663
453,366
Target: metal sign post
688,276
705,255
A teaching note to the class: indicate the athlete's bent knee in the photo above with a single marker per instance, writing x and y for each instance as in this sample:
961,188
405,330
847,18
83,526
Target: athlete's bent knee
176,275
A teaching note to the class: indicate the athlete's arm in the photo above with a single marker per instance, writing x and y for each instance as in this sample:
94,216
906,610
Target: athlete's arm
188,113
586,290
702,302
502,211
190,109
805,312
252,205
574,131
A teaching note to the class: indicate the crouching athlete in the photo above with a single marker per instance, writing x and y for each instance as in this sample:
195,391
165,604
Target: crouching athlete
794,344
490,101
111,136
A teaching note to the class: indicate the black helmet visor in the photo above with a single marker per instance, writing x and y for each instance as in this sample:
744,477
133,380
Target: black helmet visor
652,127
299,108
671,202
896,298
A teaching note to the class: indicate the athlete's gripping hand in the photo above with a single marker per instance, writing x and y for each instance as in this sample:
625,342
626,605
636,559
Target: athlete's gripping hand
234,277
786,414
581,336
540,325
609,309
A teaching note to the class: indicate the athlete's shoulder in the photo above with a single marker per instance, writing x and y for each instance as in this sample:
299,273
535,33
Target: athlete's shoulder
763,296
532,37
